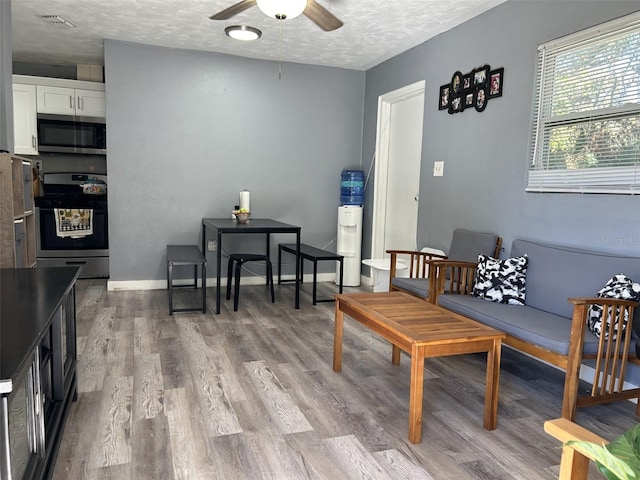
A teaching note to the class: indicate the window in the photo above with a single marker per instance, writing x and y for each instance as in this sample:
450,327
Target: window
586,132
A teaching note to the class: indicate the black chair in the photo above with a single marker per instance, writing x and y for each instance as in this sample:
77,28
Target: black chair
240,259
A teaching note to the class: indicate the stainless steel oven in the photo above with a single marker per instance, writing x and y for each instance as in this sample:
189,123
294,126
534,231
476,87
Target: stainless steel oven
72,227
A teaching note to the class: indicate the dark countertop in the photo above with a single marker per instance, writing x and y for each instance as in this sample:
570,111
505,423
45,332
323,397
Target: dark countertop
28,299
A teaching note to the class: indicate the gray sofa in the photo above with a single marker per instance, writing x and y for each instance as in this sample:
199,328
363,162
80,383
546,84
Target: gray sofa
543,326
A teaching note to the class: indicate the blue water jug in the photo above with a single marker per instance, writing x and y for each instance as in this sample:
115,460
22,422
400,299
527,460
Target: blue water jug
352,187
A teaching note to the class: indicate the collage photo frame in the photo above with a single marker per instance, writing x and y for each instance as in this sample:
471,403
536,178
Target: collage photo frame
471,90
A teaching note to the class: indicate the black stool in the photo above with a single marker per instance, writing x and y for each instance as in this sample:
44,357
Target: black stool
186,255
240,259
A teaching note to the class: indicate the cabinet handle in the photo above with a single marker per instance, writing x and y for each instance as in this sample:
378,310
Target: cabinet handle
80,104
71,102
39,406
33,141
31,414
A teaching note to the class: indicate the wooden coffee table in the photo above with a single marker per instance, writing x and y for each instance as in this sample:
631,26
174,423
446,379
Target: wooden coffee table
422,330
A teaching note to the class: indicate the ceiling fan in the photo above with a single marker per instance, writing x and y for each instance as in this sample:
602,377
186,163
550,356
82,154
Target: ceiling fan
282,9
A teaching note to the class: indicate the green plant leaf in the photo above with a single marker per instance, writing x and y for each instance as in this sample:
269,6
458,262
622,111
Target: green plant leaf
627,448
618,460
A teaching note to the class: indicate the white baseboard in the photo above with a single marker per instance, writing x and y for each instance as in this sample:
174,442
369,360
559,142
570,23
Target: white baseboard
121,285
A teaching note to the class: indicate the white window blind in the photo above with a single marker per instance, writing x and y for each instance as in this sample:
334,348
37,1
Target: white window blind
586,132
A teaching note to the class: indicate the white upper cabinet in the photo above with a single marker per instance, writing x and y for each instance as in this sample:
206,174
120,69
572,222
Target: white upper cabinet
24,120
90,103
70,101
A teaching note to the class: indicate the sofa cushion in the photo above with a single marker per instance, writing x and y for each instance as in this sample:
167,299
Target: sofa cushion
502,281
467,244
543,329
415,286
557,272
619,286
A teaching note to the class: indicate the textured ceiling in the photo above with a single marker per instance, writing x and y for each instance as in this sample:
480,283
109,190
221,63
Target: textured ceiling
373,31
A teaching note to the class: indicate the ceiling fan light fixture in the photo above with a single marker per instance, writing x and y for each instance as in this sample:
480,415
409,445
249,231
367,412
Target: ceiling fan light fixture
243,32
281,9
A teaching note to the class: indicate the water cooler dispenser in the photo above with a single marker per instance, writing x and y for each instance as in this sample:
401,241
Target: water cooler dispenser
349,239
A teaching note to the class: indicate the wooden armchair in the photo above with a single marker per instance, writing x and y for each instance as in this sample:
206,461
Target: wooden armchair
574,462
466,245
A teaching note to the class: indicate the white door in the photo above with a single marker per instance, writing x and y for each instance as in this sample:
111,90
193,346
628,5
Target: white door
397,170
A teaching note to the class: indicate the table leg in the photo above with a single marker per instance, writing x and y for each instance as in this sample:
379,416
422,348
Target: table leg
298,261
415,394
314,289
395,355
204,286
279,264
204,240
337,339
268,252
218,270
492,386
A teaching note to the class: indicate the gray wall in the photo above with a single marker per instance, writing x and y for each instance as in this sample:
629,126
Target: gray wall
486,154
6,91
188,130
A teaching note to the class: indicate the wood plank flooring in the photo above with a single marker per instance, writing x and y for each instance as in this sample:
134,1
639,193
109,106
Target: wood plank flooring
252,395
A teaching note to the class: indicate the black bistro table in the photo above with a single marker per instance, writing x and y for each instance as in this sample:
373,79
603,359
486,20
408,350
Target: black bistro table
264,226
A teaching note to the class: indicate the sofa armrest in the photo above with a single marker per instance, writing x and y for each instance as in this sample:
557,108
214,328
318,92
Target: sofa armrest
610,359
418,262
574,464
451,276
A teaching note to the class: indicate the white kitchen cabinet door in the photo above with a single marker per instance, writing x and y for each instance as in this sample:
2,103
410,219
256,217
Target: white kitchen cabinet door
70,101
24,120
90,103
56,100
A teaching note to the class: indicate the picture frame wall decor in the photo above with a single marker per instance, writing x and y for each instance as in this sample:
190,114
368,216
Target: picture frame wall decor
444,97
471,90
480,75
480,98
496,79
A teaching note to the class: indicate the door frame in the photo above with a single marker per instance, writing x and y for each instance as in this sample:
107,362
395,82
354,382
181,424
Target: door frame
383,140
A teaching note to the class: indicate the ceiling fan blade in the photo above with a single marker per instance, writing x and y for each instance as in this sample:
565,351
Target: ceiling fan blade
321,16
233,10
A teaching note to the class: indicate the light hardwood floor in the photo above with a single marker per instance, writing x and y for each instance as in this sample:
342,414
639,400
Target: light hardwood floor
252,395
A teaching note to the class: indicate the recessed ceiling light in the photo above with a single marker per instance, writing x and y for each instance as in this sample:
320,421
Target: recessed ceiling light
57,20
243,32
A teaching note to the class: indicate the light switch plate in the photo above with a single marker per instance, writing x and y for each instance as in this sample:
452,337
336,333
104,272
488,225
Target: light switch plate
438,169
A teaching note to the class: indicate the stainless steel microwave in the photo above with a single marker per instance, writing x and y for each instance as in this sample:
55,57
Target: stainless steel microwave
69,134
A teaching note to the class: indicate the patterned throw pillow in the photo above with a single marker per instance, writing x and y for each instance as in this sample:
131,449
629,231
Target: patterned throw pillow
502,281
619,286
